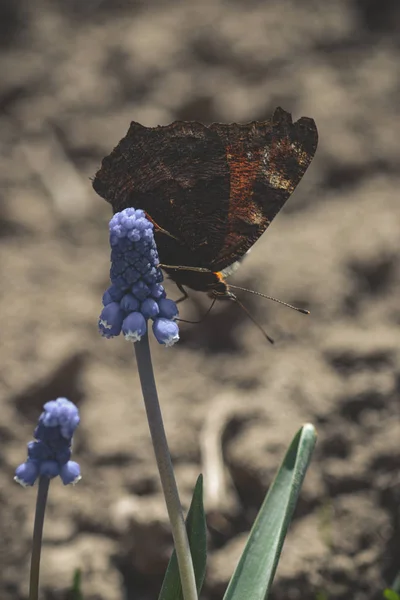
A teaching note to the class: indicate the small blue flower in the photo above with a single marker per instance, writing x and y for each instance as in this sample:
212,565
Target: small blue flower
110,320
134,326
63,455
129,303
166,331
50,452
40,450
70,473
61,412
49,468
27,473
149,308
168,308
157,291
113,294
136,294
140,290
51,441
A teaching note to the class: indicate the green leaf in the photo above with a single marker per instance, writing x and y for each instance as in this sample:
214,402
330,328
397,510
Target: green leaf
391,595
255,571
197,534
75,592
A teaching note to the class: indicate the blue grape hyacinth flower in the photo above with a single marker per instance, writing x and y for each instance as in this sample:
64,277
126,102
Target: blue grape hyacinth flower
136,294
50,452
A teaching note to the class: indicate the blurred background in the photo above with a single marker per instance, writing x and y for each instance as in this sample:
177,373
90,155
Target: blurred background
73,75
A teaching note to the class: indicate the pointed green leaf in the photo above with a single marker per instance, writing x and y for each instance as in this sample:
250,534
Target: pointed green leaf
255,571
197,534
391,595
75,591
396,584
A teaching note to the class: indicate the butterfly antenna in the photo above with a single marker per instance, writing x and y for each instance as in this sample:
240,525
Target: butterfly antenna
202,318
265,334
300,310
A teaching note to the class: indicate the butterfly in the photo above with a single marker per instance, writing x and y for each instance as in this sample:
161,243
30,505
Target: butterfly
210,191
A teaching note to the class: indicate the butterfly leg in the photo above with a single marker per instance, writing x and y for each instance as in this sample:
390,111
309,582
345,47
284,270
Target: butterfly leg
184,293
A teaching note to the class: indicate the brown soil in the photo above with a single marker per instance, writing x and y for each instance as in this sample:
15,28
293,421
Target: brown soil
73,75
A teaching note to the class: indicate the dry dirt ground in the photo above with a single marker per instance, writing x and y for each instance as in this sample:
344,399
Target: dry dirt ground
74,73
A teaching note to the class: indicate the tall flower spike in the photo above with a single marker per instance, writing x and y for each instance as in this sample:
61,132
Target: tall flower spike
136,294
49,454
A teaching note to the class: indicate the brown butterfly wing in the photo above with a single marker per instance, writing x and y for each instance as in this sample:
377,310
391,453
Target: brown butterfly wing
266,162
213,189
179,175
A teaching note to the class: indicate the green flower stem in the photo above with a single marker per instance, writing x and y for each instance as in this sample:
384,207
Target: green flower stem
164,463
41,502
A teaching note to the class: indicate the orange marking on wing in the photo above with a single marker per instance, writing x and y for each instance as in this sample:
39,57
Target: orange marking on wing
243,172
244,167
